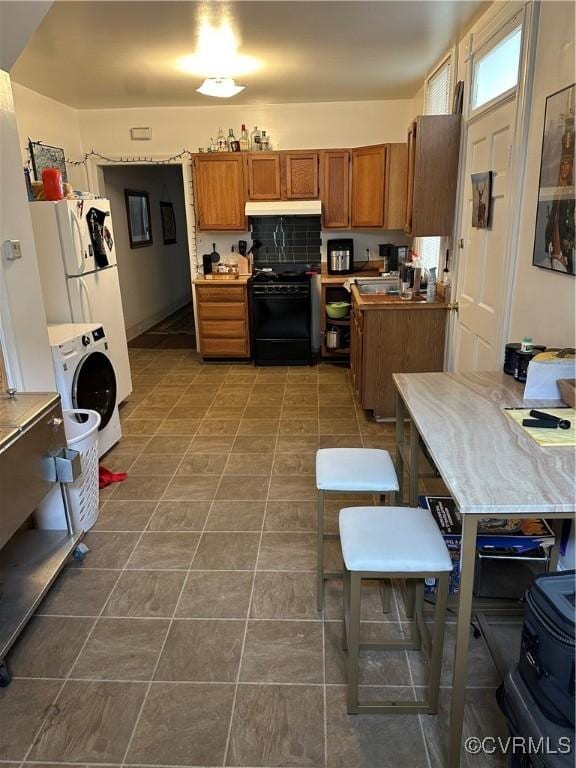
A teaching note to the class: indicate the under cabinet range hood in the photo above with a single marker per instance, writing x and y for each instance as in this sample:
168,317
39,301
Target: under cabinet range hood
285,208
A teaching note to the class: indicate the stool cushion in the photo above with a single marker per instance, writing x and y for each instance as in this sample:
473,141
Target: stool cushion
392,540
355,469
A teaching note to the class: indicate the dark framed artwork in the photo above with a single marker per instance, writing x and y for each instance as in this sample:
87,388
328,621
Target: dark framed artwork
168,223
555,211
139,221
481,199
45,156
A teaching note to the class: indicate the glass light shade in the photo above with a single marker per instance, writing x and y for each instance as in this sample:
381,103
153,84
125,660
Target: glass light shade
221,87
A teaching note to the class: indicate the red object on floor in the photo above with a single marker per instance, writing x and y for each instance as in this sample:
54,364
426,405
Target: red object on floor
105,477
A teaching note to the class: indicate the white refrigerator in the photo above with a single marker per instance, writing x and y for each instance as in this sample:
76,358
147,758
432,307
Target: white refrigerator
79,274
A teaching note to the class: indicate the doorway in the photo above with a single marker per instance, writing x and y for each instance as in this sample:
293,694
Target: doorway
155,278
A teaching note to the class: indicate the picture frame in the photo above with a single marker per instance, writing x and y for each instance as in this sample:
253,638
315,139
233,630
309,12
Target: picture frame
168,222
46,156
556,204
139,219
481,199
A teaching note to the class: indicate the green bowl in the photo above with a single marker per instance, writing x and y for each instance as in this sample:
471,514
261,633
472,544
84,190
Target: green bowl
337,310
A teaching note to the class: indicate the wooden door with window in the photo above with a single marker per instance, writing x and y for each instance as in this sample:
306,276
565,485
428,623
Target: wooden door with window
484,262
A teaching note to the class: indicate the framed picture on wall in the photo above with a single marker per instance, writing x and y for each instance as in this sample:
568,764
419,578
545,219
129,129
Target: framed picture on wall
168,222
139,221
555,211
481,199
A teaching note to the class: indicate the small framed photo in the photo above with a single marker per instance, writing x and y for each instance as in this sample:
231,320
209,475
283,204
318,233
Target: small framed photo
45,156
235,146
139,221
481,199
168,223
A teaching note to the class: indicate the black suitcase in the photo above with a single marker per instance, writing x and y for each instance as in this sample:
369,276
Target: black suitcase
548,651
543,744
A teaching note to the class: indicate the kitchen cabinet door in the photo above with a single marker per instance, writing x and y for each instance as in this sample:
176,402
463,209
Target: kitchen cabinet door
301,171
433,152
335,189
368,186
219,192
395,193
264,176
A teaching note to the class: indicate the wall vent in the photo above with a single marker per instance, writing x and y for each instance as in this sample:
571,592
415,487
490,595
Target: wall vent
140,134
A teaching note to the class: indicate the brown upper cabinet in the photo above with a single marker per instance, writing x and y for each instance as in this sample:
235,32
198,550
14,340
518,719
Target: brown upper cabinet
433,149
301,175
378,197
264,176
335,188
219,191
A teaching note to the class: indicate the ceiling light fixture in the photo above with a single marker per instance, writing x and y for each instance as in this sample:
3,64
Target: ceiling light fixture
221,87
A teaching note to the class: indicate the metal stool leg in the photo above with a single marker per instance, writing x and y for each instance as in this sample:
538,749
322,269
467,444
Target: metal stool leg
437,643
346,606
354,642
386,588
320,554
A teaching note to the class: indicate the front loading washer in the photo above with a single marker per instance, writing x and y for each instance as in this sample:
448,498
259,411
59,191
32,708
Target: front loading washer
85,375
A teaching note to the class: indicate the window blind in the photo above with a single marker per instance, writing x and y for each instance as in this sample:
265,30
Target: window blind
436,102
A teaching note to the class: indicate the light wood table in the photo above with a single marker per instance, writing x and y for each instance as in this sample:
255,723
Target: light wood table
491,467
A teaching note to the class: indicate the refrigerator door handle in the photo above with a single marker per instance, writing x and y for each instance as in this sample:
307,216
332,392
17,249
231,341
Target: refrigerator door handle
76,225
84,288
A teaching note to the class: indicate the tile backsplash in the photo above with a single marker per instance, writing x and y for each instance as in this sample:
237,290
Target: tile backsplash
287,239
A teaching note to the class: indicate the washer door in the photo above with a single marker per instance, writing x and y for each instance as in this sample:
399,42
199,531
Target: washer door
94,386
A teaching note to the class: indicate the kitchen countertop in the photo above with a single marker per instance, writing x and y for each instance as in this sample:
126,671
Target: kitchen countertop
386,301
202,280
19,410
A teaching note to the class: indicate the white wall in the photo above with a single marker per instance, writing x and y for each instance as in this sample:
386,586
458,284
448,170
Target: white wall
291,126
543,304
43,119
22,317
155,280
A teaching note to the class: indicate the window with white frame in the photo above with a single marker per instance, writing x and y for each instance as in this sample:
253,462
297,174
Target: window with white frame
496,72
437,98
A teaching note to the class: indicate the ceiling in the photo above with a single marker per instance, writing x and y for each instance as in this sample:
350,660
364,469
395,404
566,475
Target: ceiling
96,54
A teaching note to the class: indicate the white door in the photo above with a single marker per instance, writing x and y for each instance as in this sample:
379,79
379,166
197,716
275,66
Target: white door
86,235
484,261
95,298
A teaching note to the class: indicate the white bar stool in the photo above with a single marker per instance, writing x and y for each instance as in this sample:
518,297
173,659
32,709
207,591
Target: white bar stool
385,543
349,470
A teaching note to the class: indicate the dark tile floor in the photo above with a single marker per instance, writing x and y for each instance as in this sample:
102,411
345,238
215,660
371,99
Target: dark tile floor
189,635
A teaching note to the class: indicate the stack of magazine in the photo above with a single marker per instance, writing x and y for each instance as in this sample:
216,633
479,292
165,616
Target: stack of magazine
509,551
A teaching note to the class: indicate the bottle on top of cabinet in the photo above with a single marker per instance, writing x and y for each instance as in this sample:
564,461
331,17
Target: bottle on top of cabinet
255,138
244,140
221,145
265,142
230,139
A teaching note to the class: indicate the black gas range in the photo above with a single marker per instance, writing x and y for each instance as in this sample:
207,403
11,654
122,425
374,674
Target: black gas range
281,312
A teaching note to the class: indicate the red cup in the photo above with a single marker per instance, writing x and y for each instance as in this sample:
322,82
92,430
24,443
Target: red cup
53,186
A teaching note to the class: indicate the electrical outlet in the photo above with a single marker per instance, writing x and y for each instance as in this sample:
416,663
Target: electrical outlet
12,249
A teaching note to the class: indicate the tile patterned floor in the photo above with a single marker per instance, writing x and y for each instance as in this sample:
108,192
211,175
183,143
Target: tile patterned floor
189,635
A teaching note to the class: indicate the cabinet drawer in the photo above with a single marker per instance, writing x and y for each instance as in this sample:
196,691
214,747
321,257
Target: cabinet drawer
225,348
216,310
221,293
222,329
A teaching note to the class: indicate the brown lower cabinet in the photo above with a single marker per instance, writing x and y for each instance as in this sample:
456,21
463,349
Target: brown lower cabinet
392,337
223,325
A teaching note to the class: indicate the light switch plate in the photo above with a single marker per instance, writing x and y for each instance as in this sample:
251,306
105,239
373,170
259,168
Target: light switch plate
12,249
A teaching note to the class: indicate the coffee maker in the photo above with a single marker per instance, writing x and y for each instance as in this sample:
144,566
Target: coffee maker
340,256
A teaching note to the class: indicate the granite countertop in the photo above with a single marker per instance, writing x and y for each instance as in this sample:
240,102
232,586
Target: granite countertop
387,301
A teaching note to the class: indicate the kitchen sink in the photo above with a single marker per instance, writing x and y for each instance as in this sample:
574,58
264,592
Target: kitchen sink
376,289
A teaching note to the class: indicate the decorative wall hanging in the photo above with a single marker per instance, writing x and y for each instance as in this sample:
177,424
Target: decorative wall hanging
168,222
139,221
481,199
45,156
554,238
